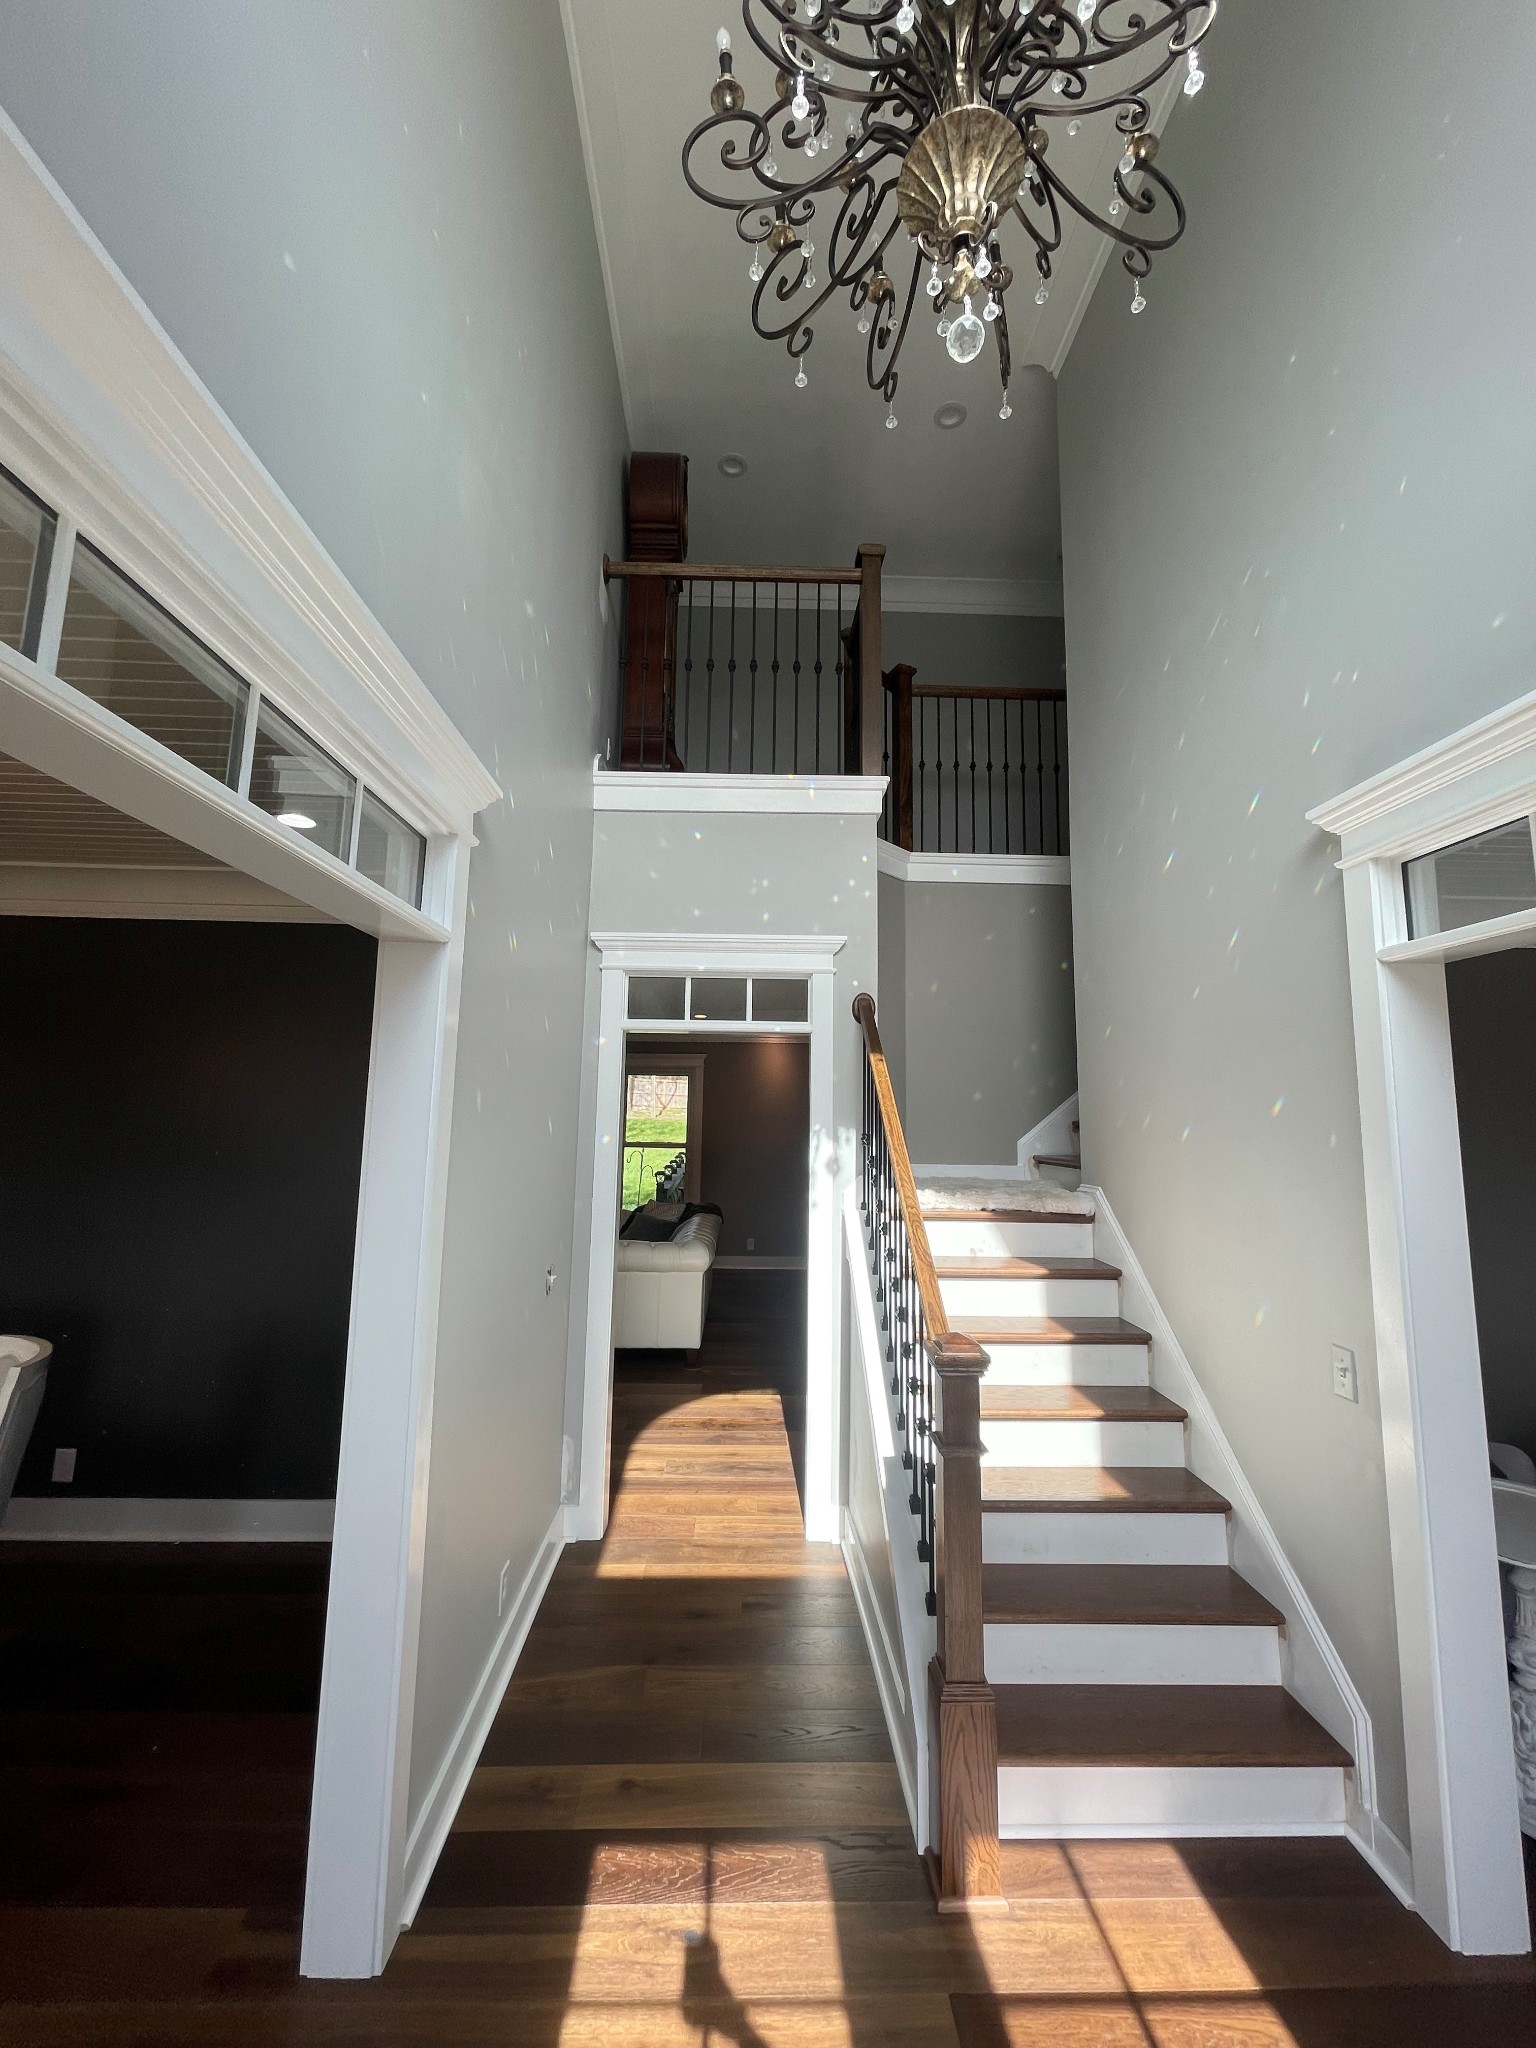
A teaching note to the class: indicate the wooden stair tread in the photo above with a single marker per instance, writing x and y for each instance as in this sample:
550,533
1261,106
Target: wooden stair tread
1078,1404
1097,1489
1160,1595
1050,1329
1160,1725
990,1266
1058,1159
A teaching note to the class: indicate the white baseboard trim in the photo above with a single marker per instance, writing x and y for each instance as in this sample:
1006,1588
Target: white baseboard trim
888,1679
1053,1133
424,1844
752,1262
1387,1855
1313,1669
57,1518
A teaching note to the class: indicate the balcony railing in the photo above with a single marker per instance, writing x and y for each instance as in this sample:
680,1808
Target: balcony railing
974,769
736,670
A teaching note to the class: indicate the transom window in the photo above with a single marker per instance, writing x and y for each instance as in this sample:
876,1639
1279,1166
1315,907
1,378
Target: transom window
1491,875
749,1003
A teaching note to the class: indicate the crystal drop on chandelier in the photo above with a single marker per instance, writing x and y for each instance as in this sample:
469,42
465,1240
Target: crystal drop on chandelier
966,337
800,106
1059,82
864,323
756,272
1074,127
770,168
935,283
890,418
990,310
1139,303
801,379
1006,413
1127,164
1043,294
1196,78
906,21
1085,10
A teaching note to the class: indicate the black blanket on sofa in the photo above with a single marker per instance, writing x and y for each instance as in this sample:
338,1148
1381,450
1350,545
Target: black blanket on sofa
644,1228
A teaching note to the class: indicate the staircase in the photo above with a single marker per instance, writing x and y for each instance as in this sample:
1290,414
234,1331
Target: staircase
1061,1169
1137,1677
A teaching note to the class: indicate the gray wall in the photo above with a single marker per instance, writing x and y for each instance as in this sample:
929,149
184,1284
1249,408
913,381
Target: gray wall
976,648
1493,1028
337,211
757,1107
976,1012
1326,563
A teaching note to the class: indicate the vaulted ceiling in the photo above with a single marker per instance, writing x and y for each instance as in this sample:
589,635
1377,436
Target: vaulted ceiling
823,472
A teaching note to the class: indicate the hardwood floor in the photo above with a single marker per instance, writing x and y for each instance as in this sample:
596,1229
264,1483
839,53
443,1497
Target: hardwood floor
686,1826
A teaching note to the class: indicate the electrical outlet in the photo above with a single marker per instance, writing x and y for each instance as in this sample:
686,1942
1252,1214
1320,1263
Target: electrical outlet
501,1588
1346,1381
751,1244
64,1468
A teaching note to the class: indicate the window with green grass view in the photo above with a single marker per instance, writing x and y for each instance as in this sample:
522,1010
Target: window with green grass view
655,1138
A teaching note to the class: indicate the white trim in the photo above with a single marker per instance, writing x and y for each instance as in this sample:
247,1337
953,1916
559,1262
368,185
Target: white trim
1312,1667
1463,942
87,1519
1453,779
610,294
1007,597
883,1659
445,1795
1053,1133
1387,1855
106,420
621,954
354,1887
1468,1879
1016,869
839,796
221,895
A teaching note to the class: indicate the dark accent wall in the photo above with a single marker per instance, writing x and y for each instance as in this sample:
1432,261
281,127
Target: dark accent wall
757,1122
1493,1027
181,1127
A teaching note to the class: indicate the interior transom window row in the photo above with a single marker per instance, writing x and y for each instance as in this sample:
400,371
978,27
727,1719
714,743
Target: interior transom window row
124,651
770,1002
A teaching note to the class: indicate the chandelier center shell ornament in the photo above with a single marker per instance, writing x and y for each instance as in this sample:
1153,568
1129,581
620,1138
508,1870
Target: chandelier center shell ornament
946,111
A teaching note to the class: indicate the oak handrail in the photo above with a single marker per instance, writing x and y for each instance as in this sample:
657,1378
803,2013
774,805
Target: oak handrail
935,1322
1026,693
727,572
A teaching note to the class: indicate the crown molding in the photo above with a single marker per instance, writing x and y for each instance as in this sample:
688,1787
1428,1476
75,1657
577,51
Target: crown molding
998,597
1472,780
102,415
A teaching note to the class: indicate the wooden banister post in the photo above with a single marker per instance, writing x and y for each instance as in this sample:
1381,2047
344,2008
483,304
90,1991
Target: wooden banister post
899,681
965,1713
869,556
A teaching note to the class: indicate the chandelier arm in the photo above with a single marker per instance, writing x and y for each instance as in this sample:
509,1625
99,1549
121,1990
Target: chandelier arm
886,338
1148,244
1046,245
832,53
758,129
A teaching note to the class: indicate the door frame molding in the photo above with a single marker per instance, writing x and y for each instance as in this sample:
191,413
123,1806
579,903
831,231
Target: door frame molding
677,953
104,419
1468,1879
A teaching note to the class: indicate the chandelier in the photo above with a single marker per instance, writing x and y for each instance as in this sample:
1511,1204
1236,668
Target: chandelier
936,116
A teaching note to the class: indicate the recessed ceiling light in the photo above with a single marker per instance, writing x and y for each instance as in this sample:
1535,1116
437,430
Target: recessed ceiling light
949,416
297,820
733,465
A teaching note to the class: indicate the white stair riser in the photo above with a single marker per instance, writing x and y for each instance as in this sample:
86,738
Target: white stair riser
1069,1365
1104,1539
1001,1295
1052,1799
1070,1239
1130,1653
1081,1443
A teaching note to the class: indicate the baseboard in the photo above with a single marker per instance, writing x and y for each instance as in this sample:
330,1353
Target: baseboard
1387,1855
752,1262
888,1678
81,1519
424,1843
1316,1672
1053,1133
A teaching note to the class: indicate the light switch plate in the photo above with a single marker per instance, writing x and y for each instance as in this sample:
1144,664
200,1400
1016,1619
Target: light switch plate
1346,1381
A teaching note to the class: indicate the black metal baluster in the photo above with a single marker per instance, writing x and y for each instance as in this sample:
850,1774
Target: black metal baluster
816,756
752,693
709,686
687,693
991,836
730,689
1040,775
1007,788
775,763
796,668
971,705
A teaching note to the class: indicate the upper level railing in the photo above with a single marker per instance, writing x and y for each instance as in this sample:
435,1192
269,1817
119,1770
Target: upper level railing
935,1384
973,769
737,670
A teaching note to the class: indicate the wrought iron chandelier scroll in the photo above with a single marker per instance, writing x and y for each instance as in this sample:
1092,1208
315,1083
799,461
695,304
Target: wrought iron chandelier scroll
948,108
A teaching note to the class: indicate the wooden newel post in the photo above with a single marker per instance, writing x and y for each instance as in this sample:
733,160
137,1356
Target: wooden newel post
965,1714
870,557
899,682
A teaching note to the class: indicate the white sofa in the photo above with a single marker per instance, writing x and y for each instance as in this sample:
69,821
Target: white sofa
661,1291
